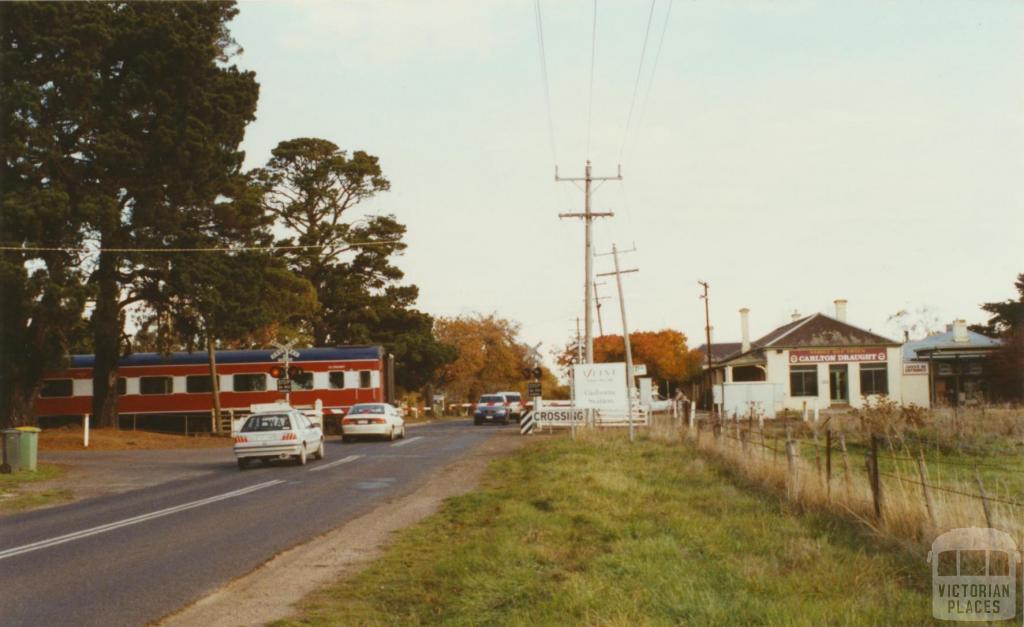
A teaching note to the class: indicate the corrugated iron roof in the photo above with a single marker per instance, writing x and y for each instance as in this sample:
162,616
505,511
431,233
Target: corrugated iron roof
944,340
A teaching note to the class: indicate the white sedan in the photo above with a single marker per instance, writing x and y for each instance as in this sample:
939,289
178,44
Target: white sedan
372,419
280,434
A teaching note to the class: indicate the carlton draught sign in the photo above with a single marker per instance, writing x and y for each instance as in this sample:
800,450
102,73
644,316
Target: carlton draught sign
836,355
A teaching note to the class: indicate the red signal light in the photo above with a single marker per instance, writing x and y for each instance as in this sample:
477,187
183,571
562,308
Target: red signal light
277,372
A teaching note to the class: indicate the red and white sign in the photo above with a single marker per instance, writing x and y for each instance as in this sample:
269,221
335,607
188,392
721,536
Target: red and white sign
836,355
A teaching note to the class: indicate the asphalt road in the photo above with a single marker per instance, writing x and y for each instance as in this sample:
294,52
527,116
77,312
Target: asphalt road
134,557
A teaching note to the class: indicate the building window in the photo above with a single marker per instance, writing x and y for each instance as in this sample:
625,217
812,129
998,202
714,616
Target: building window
54,388
122,386
303,381
199,384
365,379
874,379
336,381
156,385
256,382
803,381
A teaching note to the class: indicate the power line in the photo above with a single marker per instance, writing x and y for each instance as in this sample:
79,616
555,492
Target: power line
636,83
650,83
212,249
593,53
544,74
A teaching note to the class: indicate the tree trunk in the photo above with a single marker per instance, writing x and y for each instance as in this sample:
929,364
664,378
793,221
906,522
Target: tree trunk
107,327
214,381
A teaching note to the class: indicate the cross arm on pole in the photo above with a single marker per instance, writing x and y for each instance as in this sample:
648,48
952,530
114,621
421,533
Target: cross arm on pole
602,214
619,272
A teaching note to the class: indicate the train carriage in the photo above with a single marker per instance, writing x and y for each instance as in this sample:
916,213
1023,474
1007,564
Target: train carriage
152,386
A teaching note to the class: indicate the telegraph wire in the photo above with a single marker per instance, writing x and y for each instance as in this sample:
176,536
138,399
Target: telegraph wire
212,249
636,82
650,83
544,74
593,53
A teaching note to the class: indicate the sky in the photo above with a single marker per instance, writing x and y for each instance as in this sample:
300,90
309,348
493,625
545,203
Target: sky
788,153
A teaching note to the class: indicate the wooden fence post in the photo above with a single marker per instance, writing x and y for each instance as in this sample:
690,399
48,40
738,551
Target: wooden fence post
984,499
743,441
828,464
792,452
874,477
922,472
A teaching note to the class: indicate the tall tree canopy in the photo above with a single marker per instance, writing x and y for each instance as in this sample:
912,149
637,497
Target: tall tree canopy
491,356
1007,322
312,188
143,115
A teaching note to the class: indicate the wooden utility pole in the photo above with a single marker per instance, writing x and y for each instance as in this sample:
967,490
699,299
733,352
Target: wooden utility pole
588,261
707,335
630,382
597,307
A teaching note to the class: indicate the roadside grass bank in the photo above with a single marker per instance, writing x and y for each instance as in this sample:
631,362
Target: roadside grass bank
16,493
70,439
601,531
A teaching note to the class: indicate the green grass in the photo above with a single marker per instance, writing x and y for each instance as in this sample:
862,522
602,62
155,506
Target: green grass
601,532
15,498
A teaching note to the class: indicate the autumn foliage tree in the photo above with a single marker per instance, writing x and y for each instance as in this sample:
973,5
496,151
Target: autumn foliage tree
491,357
664,352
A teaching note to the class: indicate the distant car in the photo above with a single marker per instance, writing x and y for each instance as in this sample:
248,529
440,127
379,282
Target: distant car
278,434
515,401
372,419
492,408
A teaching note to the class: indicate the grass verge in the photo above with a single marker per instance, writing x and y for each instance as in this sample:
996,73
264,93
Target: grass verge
599,531
16,494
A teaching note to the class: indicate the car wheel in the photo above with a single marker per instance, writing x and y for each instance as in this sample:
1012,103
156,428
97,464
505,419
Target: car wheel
243,463
391,436
320,451
403,432
302,454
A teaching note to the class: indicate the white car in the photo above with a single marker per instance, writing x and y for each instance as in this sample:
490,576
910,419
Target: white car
278,434
659,404
372,419
515,404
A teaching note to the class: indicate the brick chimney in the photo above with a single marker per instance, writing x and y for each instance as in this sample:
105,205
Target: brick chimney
960,331
745,329
796,315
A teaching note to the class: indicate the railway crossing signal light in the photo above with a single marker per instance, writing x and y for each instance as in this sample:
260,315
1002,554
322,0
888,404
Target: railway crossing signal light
295,371
278,372
536,372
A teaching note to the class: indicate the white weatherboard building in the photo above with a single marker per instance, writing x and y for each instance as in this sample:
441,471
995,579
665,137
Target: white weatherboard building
814,361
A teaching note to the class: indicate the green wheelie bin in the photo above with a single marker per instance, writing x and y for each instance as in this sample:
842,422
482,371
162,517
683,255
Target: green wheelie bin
28,446
12,448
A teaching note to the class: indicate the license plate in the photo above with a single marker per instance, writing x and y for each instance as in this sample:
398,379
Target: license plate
364,422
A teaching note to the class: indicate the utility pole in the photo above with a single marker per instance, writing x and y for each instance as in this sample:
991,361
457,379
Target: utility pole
597,306
630,382
588,262
707,331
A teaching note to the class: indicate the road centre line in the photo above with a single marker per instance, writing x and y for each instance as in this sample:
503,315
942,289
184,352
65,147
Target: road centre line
350,458
404,442
85,533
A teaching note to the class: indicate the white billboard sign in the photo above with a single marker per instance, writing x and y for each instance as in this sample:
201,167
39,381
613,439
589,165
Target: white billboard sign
601,386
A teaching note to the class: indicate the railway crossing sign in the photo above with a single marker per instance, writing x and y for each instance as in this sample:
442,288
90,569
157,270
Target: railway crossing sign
284,385
288,352
556,417
533,388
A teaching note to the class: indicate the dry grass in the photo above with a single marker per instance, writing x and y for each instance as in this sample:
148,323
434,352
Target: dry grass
762,461
70,439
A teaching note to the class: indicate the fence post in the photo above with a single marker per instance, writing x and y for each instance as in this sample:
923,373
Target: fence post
791,454
846,463
984,499
85,431
743,441
874,477
922,472
828,464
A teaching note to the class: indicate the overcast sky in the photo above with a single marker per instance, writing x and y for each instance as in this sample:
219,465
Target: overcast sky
790,153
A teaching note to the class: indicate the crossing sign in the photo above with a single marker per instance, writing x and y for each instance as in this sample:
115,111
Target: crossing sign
284,385
533,389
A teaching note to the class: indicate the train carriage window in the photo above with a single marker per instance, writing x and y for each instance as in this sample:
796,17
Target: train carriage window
255,382
54,388
198,384
122,386
156,385
336,380
303,381
365,379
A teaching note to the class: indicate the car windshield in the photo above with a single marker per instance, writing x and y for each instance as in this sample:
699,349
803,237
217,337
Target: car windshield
492,399
268,422
366,409
512,398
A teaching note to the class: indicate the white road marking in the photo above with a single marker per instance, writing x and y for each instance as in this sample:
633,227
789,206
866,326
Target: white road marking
345,460
407,441
85,533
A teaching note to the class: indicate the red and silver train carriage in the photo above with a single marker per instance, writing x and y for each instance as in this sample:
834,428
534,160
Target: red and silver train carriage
158,390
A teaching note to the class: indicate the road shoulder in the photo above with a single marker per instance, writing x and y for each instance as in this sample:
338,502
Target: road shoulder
270,592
